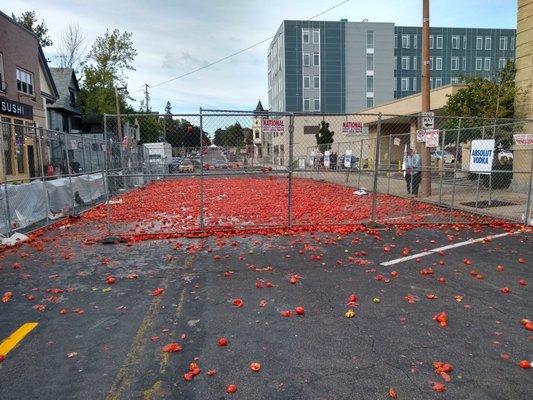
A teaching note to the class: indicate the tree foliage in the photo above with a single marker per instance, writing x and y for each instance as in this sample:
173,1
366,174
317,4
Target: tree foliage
29,21
71,48
324,137
233,136
110,57
482,101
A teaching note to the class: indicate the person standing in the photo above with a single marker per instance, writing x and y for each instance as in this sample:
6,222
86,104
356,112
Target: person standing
412,171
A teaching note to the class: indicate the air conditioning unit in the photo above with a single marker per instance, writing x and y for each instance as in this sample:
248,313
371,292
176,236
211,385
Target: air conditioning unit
3,86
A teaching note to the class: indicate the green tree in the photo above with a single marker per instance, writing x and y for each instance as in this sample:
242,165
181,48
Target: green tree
109,58
483,101
324,137
29,21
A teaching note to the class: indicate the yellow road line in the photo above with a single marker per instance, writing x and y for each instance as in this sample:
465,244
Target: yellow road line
8,344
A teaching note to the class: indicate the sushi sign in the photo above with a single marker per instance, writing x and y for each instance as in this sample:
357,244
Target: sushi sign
273,125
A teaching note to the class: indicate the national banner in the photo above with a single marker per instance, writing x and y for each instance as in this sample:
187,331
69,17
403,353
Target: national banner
523,138
352,127
273,125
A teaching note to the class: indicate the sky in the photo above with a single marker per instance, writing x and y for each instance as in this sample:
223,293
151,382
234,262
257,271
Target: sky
176,37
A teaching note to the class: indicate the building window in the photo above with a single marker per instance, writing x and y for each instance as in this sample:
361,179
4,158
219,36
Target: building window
369,62
395,41
479,63
316,59
501,63
24,81
454,80
439,42
317,104
479,42
503,43
487,63
405,41
316,36
369,83
306,82
316,82
415,63
512,43
307,60
464,63
369,102
465,41
2,80
405,63
415,41
431,63
431,41
257,134
438,82
455,42
370,39
306,104
431,83
8,145
414,84
19,145
405,85
72,97
438,63
488,43
305,36
455,63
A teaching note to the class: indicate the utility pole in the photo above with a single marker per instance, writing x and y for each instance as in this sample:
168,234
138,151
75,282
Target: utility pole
119,122
147,97
426,105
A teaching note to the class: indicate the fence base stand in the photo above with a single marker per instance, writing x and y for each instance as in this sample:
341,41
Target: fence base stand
376,226
113,240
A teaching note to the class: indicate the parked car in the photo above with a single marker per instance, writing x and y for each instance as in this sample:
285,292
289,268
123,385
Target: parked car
186,166
505,153
174,164
442,155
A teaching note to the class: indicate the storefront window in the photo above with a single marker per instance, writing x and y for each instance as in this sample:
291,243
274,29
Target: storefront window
19,145
6,138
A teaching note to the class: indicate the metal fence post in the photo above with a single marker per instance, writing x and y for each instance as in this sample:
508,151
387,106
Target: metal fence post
441,172
529,193
4,162
376,164
40,149
105,177
479,175
457,141
389,165
291,146
69,170
201,171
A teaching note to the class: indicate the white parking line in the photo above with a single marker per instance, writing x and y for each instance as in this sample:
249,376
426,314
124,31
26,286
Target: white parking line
451,246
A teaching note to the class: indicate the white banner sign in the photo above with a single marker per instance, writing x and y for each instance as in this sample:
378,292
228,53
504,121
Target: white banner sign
273,125
420,136
326,159
348,159
432,138
352,127
523,138
481,155
397,141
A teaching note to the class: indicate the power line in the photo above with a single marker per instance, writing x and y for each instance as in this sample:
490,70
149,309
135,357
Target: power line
234,54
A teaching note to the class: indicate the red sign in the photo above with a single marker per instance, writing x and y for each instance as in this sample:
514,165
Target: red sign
352,127
523,138
273,125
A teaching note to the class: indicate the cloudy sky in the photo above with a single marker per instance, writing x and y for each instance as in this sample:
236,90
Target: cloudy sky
174,37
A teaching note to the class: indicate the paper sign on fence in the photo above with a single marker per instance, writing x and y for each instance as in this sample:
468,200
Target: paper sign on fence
273,125
350,127
523,138
326,159
481,156
432,138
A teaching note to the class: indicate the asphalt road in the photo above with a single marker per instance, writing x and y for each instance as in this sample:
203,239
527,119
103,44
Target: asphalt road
114,333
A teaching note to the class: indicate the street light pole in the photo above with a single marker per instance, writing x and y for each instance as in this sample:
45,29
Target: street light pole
426,105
